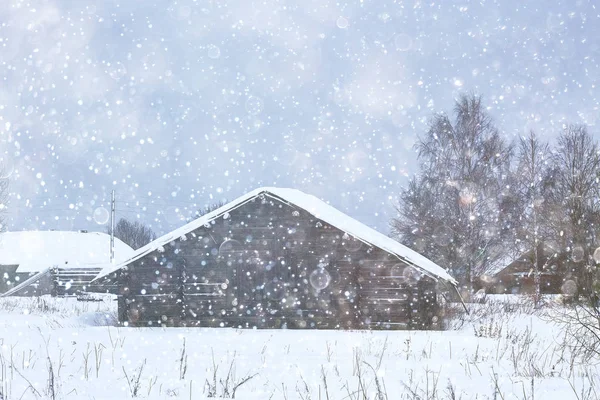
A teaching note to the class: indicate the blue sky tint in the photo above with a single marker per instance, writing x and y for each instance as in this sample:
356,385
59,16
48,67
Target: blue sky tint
177,104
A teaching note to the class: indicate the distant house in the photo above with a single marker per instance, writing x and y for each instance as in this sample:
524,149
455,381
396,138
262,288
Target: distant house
555,265
53,262
277,258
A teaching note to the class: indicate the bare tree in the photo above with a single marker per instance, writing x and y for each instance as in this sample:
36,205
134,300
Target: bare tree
135,234
418,214
581,323
209,208
533,229
576,176
457,199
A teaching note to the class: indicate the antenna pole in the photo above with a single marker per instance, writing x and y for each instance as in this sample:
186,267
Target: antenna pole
112,226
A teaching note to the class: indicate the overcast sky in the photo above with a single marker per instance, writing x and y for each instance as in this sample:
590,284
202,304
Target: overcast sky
177,104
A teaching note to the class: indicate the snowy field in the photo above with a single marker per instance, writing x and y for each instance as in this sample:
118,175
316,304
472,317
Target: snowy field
64,349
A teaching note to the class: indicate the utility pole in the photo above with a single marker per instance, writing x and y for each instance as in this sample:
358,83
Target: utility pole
112,227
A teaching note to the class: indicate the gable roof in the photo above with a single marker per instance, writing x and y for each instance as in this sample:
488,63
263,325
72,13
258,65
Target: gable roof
315,207
524,262
35,251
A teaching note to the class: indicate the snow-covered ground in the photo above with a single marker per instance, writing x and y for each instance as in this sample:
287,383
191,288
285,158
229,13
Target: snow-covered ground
64,349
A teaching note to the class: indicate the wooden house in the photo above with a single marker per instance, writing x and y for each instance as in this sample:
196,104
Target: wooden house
556,266
34,263
277,258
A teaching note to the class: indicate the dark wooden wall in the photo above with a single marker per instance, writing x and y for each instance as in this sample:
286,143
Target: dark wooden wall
9,278
58,282
252,268
70,281
518,277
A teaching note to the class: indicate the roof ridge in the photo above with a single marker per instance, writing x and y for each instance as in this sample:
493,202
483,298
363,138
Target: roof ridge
311,204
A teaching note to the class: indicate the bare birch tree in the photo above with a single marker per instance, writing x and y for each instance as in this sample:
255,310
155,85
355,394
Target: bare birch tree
453,211
576,189
532,173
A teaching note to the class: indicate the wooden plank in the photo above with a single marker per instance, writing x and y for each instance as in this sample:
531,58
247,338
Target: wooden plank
207,281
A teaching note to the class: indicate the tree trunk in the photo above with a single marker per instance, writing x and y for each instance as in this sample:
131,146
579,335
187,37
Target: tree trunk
537,278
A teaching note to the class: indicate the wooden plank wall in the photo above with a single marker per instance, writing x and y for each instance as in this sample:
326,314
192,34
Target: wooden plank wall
252,267
68,281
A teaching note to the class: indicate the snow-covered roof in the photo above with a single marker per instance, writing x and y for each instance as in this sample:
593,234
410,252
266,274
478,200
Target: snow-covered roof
314,206
35,251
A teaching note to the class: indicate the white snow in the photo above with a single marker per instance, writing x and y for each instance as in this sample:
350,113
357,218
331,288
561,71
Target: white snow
35,251
503,351
314,206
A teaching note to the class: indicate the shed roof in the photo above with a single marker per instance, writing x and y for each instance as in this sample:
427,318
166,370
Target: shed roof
35,251
312,205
